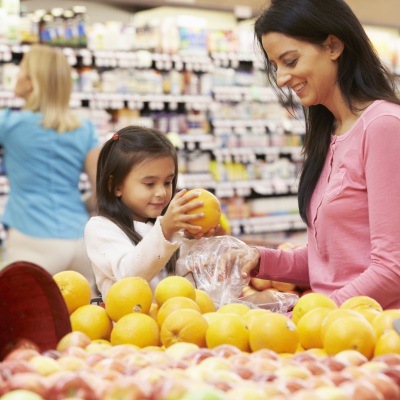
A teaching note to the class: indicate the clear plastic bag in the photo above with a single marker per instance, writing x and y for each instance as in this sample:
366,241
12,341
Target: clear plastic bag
220,276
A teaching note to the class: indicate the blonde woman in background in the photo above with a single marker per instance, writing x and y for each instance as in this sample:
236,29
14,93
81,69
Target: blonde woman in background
46,148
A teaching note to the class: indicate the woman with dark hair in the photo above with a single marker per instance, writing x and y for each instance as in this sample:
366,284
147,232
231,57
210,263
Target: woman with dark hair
136,231
349,186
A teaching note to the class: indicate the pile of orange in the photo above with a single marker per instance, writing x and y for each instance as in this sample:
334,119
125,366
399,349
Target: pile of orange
177,312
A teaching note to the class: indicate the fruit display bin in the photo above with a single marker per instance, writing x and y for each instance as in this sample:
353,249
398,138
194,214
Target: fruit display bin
32,307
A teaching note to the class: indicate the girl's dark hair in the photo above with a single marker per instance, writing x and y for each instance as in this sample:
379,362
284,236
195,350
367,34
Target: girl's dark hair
127,148
361,74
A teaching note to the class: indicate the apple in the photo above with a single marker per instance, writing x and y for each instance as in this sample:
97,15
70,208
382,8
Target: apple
30,381
393,373
385,385
71,363
226,350
22,354
260,284
110,364
75,351
293,371
316,367
11,367
334,364
319,381
244,372
265,354
390,359
72,385
291,384
18,343
126,389
245,392
338,377
331,393
21,394
197,356
180,349
361,389
170,388
44,365
73,339
51,353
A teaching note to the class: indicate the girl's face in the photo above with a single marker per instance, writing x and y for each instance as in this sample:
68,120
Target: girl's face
147,189
23,86
309,70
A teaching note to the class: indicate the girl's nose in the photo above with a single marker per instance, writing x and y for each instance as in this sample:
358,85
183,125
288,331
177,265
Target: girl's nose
160,191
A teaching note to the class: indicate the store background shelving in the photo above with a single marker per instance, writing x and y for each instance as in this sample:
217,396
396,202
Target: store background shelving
196,75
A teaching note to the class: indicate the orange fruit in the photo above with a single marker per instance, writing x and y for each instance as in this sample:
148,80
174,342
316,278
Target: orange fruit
211,209
358,302
252,316
204,301
310,301
173,304
186,325
309,328
230,329
92,320
276,332
75,289
384,321
136,328
368,313
153,311
350,333
128,295
333,315
234,308
212,316
388,343
173,286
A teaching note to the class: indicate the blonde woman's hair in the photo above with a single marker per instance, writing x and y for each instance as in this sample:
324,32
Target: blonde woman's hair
50,74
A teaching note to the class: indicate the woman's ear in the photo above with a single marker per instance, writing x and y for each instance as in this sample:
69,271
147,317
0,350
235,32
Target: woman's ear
335,46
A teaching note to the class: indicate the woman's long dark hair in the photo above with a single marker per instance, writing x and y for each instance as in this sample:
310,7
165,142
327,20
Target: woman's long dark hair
361,74
127,148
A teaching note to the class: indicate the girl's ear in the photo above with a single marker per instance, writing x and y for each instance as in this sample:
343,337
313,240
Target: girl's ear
335,46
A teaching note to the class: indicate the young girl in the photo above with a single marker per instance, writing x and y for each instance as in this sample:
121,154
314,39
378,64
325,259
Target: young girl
136,232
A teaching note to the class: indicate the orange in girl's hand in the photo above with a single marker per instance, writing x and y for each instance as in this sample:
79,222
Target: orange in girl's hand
211,209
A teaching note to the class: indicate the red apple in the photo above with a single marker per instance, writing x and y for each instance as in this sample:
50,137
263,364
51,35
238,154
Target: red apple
316,367
247,291
11,367
226,350
73,339
18,343
334,364
29,381
72,385
199,355
390,359
22,354
291,384
385,385
265,354
393,373
351,357
361,389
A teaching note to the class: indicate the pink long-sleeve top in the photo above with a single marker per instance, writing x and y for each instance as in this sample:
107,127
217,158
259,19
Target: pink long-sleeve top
354,238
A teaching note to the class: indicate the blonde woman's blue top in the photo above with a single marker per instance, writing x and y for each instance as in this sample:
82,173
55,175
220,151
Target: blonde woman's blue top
44,169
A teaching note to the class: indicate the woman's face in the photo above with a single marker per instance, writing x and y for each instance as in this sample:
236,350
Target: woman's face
147,189
309,70
23,86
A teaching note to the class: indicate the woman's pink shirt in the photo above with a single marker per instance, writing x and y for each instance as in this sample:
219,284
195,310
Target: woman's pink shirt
354,237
